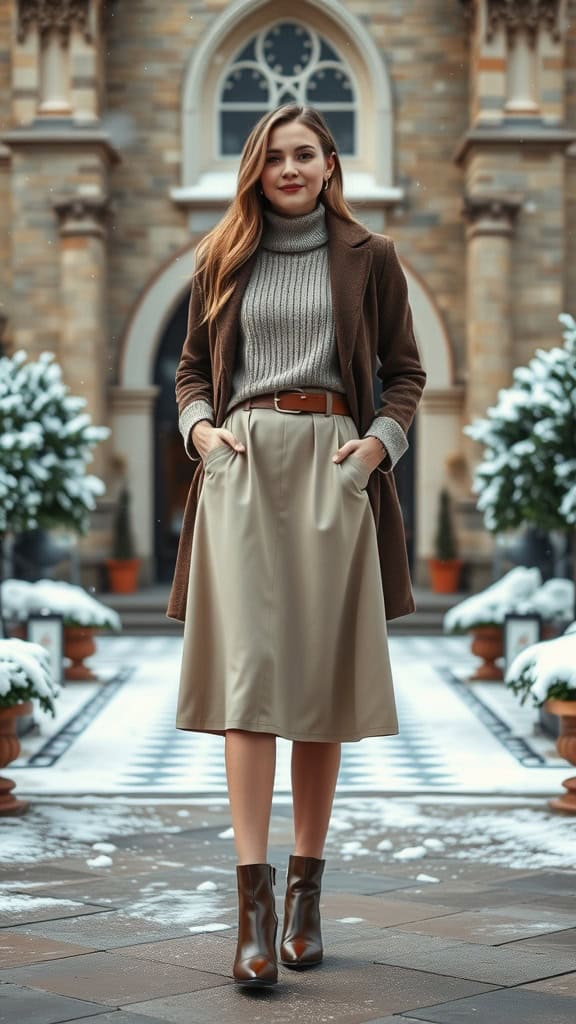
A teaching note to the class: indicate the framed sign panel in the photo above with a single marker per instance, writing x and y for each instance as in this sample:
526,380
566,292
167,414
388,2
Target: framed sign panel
47,630
520,631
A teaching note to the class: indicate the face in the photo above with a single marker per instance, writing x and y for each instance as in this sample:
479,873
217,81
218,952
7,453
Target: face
295,169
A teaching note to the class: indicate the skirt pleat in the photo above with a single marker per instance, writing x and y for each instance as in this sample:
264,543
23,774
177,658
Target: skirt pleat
285,629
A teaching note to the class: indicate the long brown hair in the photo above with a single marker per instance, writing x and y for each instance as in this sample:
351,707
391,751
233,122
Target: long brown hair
228,245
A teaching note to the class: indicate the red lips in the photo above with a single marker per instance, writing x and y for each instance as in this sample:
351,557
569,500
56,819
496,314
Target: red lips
291,188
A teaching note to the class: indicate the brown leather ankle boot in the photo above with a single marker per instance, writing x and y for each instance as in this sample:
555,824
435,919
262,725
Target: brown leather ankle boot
256,962
301,944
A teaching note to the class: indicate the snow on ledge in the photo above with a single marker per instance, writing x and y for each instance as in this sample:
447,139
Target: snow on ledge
219,186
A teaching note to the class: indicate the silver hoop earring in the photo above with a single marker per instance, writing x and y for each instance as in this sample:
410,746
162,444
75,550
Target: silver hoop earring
326,184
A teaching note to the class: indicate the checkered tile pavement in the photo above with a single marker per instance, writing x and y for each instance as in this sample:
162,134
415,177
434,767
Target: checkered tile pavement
118,736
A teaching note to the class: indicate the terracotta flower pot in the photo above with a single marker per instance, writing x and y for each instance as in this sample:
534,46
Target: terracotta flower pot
78,645
488,644
123,574
445,574
9,750
566,747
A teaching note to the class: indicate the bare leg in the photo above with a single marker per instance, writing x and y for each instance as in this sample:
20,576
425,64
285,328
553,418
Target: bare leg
250,768
314,774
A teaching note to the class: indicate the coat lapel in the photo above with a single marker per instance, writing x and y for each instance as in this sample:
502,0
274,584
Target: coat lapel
350,263
228,320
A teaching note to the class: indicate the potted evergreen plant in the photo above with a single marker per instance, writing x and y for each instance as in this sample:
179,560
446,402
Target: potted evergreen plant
446,566
124,566
547,673
47,443
24,675
528,474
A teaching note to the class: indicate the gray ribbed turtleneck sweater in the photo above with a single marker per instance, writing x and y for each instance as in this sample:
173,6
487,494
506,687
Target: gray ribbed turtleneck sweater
287,335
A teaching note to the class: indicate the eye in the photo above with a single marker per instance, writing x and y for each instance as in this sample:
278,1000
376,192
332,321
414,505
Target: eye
271,159
306,156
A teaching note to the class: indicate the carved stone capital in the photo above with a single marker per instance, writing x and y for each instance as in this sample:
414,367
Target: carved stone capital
469,11
82,215
526,15
61,15
490,214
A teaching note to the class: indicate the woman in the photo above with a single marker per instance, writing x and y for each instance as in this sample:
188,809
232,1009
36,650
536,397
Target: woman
292,551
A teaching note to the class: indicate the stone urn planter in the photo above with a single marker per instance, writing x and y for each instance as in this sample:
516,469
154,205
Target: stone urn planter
488,645
566,747
9,751
79,645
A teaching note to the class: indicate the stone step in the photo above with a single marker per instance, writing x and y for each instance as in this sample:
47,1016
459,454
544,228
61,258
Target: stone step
144,612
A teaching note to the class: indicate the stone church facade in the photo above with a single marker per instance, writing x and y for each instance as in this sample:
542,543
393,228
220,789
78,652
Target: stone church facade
122,122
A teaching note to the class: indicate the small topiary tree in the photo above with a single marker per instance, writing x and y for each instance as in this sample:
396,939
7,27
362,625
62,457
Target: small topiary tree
123,546
445,542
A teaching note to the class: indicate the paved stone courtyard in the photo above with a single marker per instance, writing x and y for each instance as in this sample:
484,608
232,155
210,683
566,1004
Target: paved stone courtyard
139,926
449,894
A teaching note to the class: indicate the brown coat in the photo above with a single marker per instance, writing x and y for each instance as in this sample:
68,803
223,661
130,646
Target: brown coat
372,318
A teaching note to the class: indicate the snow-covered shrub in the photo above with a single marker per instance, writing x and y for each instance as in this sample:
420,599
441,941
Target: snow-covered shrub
76,606
489,607
25,674
528,474
554,601
545,670
46,442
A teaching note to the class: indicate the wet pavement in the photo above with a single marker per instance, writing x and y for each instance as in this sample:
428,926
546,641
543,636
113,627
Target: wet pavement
434,909
449,893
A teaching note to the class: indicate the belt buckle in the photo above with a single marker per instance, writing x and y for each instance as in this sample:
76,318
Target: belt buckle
291,412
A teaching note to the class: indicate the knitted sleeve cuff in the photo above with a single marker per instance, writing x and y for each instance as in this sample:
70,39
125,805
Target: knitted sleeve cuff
192,415
390,433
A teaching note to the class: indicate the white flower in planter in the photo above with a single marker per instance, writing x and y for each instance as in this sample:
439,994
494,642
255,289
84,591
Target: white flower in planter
546,670
25,674
489,607
73,603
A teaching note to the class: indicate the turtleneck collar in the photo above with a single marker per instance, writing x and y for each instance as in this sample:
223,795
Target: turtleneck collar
295,234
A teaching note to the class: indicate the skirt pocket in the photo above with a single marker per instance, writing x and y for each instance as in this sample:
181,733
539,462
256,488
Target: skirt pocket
356,471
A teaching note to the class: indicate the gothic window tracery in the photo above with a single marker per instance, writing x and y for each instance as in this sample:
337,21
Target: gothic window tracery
287,62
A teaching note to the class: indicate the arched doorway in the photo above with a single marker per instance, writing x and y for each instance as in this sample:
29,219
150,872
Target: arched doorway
172,467
145,422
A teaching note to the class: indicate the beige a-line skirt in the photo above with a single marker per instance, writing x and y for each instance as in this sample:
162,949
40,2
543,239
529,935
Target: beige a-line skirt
285,628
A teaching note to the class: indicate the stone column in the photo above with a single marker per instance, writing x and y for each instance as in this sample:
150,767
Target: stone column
59,43
516,59
133,430
83,344
490,221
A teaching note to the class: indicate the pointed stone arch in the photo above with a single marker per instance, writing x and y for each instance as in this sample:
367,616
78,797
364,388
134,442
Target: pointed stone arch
439,419
340,26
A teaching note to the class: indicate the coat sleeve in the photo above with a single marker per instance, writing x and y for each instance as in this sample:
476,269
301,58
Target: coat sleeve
400,371
194,394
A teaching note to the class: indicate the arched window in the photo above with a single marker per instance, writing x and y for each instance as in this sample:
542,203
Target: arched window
287,62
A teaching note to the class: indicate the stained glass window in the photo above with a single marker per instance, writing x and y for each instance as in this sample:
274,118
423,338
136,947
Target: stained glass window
286,63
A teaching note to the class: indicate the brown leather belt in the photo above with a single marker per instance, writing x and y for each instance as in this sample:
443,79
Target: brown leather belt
297,400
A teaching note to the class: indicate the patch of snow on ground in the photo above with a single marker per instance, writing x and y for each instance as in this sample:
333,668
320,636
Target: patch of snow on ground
521,834
178,906
63,830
